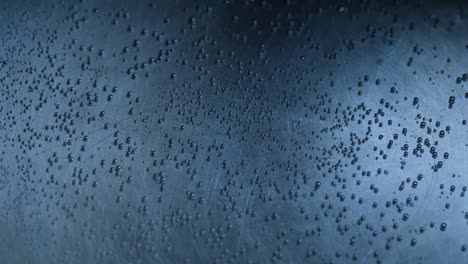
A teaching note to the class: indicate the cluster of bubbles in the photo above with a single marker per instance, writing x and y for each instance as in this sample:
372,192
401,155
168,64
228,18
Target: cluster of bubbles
233,132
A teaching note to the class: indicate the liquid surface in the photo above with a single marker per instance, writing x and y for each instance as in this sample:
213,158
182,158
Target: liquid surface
233,132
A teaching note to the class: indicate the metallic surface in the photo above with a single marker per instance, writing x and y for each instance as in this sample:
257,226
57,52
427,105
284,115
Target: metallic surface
233,132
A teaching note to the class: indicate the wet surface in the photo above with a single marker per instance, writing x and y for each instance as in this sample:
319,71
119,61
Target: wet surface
233,132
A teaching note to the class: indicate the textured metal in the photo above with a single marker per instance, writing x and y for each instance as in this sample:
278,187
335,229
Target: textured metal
233,132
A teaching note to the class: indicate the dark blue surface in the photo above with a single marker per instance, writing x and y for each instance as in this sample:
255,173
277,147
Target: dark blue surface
233,132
